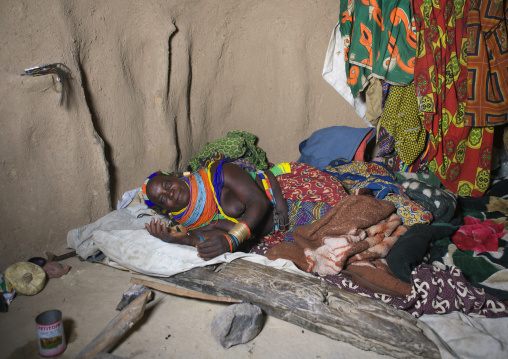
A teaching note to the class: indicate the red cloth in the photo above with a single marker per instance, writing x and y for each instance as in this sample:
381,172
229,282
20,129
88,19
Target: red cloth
360,152
478,236
309,184
460,156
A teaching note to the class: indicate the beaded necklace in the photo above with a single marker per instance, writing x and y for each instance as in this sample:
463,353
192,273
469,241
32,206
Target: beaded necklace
219,174
204,206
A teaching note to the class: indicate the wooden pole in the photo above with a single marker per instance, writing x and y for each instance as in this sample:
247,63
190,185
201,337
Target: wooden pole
115,329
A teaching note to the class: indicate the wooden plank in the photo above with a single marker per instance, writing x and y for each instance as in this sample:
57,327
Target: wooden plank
183,292
312,304
116,328
107,356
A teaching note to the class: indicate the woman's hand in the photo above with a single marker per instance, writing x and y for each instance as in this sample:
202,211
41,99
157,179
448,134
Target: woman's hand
158,229
213,247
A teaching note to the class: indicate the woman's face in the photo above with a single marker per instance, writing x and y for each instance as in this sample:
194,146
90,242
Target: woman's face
168,192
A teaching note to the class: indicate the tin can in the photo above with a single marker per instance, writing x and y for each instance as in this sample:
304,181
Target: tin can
51,333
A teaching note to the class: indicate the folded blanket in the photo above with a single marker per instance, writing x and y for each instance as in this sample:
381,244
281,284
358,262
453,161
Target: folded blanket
357,228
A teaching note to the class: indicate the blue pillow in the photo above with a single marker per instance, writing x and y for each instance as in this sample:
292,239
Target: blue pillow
330,143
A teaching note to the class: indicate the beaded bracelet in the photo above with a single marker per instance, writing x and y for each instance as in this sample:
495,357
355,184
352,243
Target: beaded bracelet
230,242
235,241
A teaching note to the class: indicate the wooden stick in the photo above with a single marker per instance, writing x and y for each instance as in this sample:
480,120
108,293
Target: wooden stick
183,292
115,329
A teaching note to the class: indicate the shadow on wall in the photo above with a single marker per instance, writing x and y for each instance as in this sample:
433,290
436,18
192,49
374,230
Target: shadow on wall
108,150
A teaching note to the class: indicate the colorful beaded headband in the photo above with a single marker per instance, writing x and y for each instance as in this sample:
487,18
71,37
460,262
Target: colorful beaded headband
145,196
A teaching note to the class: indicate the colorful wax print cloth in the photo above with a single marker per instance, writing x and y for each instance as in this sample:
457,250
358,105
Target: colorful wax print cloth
460,156
357,174
309,184
487,64
400,118
237,144
391,159
409,211
442,204
246,165
299,214
379,40
386,143
309,193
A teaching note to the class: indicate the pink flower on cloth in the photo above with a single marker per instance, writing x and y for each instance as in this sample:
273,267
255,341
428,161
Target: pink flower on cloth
478,236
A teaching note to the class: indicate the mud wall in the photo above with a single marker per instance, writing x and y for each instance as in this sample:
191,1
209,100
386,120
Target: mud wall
146,85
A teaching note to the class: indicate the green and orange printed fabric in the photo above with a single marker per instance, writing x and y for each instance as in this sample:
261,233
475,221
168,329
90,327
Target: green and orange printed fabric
459,155
379,41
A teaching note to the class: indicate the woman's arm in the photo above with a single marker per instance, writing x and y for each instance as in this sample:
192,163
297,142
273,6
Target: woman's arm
170,235
241,195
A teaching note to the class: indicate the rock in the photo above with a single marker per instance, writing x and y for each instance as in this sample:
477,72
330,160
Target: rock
55,269
237,324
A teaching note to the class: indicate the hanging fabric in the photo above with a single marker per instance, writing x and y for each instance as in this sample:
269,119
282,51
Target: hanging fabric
379,41
460,156
487,63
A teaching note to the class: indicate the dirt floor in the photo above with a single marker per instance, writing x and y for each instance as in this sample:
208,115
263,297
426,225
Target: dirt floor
172,327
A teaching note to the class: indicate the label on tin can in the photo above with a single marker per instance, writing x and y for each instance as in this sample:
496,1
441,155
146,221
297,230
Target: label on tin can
51,333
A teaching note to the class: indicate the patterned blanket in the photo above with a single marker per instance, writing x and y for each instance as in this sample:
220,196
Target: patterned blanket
357,228
356,234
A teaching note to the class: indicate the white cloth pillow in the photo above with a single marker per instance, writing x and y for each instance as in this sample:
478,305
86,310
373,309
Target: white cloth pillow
141,252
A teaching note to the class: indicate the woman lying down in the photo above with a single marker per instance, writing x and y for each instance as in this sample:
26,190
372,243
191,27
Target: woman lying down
223,205
220,206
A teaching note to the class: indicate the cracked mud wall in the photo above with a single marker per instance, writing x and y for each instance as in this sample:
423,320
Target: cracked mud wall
149,84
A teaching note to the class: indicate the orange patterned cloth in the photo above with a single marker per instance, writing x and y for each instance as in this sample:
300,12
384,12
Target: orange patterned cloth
460,156
487,64
379,41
